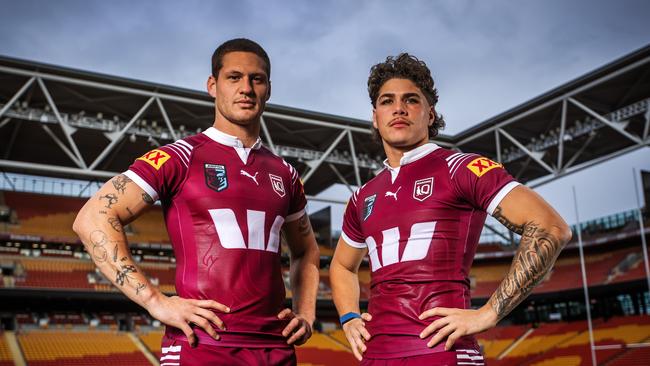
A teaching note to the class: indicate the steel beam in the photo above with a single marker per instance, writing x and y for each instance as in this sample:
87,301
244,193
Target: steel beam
267,136
341,177
355,163
497,140
66,128
20,92
61,145
322,158
605,121
528,152
119,136
5,122
560,142
166,118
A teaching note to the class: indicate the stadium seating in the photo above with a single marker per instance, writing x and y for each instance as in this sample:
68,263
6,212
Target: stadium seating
5,354
323,350
45,348
152,340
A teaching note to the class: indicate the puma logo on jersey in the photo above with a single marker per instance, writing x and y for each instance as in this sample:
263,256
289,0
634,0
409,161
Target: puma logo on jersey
391,194
253,177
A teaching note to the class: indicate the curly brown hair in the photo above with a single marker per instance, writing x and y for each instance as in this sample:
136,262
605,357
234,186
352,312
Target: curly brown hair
406,66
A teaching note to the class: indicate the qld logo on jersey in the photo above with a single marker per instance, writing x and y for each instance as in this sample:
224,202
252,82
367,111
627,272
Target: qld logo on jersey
277,184
216,177
480,166
422,189
368,205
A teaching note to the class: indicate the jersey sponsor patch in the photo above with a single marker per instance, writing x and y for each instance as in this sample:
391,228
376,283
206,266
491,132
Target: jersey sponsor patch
216,177
156,158
423,188
277,184
480,166
368,205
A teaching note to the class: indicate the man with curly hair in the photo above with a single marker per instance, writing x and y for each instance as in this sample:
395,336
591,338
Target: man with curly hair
419,221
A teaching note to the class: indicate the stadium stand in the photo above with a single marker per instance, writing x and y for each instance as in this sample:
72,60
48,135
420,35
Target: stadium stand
49,348
5,354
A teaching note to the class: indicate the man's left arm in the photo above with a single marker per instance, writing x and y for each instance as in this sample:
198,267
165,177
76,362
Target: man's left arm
304,277
543,235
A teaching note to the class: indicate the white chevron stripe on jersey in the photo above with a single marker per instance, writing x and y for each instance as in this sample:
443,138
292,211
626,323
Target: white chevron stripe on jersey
183,151
185,144
460,162
450,159
180,155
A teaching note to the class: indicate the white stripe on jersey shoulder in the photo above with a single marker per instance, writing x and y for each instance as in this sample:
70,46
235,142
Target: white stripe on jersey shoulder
460,162
184,143
356,193
182,149
292,170
184,159
500,196
296,215
142,184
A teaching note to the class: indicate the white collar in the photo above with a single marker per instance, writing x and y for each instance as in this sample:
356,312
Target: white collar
229,140
409,157
413,155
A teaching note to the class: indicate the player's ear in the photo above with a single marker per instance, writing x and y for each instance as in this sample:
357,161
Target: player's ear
374,118
432,116
211,86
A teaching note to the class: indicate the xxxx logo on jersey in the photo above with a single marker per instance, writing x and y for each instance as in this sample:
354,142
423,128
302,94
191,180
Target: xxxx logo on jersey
480,166
156,158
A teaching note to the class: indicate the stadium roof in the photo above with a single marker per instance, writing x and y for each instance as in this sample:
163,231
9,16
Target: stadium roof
64,122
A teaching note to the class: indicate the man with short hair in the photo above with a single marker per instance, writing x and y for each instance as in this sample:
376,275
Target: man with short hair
225,199
419,221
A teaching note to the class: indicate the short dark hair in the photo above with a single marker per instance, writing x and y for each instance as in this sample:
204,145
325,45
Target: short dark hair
406,66
238,45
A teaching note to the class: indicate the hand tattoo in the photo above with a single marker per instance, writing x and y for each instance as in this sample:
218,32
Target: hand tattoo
120,183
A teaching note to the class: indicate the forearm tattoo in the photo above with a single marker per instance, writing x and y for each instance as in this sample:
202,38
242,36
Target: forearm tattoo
534,258
115,224
120,183
498,215
98,240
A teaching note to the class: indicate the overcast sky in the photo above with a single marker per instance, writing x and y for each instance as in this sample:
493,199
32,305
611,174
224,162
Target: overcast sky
486,56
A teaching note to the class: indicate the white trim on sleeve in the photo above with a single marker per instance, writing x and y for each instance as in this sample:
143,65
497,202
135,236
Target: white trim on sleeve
500,196
351,242
142,184
295,216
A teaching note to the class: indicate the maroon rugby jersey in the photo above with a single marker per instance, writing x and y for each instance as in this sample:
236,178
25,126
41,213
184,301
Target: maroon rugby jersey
421,223
224,206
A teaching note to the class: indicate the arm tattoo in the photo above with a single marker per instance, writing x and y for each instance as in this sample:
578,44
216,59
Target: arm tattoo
115,224
533,260
130,212
304,225
122,274
115,254
120,183
498,215
98,240
139,287
147,199
111,199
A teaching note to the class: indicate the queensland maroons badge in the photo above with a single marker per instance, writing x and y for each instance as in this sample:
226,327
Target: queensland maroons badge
216,177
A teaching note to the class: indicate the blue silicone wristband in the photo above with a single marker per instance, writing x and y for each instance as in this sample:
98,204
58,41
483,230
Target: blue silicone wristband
349,316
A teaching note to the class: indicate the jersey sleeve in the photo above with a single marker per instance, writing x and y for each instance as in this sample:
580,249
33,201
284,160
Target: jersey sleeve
298,204
161,171
481,182
351,232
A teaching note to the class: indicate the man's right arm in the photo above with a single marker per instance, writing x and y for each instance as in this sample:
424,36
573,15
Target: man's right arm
344,279
100,226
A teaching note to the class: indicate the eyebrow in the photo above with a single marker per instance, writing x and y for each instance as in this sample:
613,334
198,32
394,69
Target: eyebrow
405,95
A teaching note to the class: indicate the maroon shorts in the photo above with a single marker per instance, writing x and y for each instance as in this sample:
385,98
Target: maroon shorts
176,352
453,358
